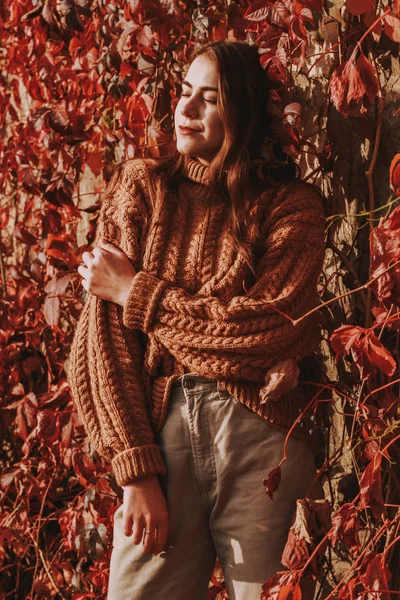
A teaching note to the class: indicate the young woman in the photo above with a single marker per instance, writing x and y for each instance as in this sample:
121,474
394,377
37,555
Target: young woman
202,261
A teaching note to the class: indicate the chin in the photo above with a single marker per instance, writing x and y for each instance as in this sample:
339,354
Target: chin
185,148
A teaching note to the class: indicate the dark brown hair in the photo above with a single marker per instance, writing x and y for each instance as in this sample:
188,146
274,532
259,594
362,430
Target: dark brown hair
240,170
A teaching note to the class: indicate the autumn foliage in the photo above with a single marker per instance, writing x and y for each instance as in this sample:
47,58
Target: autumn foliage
86,84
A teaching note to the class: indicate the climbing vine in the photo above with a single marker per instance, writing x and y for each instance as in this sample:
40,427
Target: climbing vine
87,84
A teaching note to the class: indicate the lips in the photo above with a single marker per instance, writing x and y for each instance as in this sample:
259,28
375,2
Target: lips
184,129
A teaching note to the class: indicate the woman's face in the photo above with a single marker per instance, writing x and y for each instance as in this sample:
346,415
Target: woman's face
197,109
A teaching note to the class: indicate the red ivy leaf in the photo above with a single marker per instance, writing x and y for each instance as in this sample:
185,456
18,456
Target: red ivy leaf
58,286
369,19
295,554
392,27
23,235
95,161
26,417
384,251
280,378
314,5
84,466
51,310
282,586
344,338
369,352
377,576
311,521
4,217
272,482
58,197
41,589
371,450
380,356
357,7
257,11
345,527
8,475
371,487
395,174
58,247
353,86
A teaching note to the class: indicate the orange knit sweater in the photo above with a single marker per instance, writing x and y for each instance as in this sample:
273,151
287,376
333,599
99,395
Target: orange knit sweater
193,306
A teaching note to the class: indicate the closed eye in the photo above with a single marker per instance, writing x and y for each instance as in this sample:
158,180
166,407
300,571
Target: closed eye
206,99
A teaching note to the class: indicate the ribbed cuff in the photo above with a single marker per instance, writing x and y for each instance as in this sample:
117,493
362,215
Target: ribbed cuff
136,462
142,301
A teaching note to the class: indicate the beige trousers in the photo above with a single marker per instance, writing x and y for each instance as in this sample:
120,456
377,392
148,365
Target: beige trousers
217,454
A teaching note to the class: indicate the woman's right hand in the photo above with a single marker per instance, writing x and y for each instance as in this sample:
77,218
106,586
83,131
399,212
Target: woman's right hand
145,509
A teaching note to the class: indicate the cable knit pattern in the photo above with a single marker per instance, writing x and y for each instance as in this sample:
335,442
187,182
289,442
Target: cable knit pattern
213,324
105,362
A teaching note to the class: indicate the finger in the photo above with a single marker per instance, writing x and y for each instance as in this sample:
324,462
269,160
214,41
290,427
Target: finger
149,538
97,251
108,246
83,271
127,524
161,538
87,256
137,535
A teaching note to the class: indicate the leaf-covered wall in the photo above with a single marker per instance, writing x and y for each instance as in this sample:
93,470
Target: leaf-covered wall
83,86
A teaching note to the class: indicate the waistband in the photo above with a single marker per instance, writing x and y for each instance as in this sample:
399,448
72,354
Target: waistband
191,380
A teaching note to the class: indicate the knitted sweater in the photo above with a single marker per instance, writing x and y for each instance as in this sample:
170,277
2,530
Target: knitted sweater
193,305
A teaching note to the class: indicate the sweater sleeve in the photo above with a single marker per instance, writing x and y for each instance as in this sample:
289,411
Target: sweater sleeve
250,332
105,361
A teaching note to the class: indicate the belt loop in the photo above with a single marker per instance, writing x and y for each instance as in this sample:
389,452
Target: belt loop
184,378
222,392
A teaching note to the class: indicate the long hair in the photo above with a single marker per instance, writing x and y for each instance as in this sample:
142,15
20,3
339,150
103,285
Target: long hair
239,171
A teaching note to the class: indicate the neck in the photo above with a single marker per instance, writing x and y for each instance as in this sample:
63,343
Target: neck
196,171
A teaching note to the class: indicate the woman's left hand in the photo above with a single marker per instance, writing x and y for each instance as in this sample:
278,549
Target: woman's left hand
108,273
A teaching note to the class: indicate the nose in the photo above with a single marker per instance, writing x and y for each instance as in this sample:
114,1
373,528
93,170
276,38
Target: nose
189,108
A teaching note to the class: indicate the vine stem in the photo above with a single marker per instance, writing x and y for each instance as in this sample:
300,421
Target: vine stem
379,389
350,267
380,592
37,546
390,443
364,35
324,539
313,400
378,535
371,168
390,545
3,274
43,559
330,49
339,296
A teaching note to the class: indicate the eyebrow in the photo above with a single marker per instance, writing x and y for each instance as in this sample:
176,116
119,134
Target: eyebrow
205,87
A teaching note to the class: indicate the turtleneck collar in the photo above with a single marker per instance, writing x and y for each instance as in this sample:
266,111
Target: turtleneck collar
196,171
